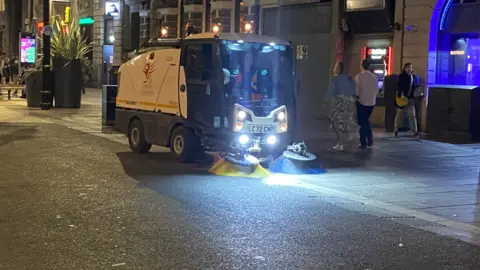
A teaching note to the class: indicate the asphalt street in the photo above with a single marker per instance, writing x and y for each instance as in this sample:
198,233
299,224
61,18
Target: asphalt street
72,200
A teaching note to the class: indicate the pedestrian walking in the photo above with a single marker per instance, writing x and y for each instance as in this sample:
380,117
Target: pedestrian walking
341,92
4,68
405,100
366,91
3,58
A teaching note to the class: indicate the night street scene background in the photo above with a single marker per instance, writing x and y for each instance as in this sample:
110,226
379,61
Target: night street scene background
80,187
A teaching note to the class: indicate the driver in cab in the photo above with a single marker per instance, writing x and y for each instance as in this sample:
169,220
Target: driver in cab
255,77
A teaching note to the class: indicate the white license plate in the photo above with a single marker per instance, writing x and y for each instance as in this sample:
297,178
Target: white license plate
261,128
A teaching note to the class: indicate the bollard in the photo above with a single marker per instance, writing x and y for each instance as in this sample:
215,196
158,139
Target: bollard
109,97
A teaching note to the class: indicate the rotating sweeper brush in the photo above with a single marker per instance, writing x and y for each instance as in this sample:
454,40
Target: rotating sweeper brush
238,163
296,160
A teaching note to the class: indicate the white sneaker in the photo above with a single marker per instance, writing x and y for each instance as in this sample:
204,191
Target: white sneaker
338,147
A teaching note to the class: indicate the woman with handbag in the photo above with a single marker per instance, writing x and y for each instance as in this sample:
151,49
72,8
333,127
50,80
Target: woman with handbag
405,100
341,92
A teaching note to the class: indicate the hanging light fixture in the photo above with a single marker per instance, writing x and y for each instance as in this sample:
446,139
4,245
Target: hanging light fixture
248,27
164,32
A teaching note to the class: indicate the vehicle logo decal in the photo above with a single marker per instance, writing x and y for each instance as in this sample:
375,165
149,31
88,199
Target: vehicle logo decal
149,68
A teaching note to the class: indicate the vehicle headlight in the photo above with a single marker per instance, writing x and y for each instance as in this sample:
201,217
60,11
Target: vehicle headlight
243,139
272,139
241,115
281,116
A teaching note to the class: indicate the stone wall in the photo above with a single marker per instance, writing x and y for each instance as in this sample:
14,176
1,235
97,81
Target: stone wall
13,11
84,8
98,32
415,45
412,46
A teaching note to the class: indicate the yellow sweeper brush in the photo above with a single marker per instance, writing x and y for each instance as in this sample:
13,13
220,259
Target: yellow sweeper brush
245,167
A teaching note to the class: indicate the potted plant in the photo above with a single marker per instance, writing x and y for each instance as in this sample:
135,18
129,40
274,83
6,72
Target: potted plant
68,50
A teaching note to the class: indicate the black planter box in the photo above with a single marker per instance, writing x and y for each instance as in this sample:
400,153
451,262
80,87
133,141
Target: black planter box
68,81
33,87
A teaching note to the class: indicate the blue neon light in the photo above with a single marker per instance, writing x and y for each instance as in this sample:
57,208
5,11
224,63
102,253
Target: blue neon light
444,14
439,14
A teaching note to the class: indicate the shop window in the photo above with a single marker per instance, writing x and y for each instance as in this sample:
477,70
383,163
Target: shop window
109,37
460,63
144,33
472,62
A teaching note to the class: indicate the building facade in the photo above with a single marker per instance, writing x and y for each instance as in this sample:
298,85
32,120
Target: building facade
3,27
437,36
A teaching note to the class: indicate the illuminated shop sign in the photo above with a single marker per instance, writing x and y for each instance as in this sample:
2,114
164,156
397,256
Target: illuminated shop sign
86,21
356,5
377,51
27,50
379,57
68,14
457,52
112,8
377,54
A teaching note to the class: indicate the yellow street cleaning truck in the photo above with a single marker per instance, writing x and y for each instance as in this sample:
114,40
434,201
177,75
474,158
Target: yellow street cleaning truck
226,92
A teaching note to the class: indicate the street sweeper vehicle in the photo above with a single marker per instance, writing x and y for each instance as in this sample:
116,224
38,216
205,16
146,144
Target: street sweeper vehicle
228,92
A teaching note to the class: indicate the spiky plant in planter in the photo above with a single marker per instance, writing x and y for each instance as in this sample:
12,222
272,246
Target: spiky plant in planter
68,42
63,46
68,50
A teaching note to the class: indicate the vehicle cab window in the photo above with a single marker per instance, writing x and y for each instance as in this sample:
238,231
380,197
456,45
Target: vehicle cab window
199,62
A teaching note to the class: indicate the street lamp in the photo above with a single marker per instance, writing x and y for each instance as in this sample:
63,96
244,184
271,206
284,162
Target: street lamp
216,28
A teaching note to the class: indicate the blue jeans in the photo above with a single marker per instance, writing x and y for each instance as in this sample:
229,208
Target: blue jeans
363,117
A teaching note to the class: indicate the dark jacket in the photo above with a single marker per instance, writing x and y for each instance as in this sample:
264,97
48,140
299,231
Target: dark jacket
403,85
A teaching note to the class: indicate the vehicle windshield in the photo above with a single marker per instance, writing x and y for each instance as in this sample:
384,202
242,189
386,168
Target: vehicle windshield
257,76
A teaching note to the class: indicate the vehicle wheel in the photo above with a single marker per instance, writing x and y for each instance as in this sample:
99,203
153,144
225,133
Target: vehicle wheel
136,137
184,144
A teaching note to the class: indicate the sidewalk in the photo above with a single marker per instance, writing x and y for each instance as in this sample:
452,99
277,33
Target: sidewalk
437,181
87,119
433,181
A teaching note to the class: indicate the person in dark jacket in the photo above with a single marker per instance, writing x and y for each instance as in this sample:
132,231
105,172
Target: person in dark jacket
407,82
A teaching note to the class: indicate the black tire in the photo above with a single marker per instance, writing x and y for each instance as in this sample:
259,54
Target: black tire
184,144
136,137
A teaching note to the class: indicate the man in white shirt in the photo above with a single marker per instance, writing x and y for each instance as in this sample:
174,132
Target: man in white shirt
366,91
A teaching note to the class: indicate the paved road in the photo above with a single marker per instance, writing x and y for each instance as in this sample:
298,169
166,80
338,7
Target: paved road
73,200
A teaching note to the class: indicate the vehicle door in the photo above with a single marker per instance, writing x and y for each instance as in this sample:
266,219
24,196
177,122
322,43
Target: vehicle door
201,68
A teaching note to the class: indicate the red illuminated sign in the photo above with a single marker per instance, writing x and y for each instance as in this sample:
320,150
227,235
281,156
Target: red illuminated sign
40,27
379,54
390,60
376,52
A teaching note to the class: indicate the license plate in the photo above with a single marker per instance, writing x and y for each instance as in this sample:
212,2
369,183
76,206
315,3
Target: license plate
261,128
